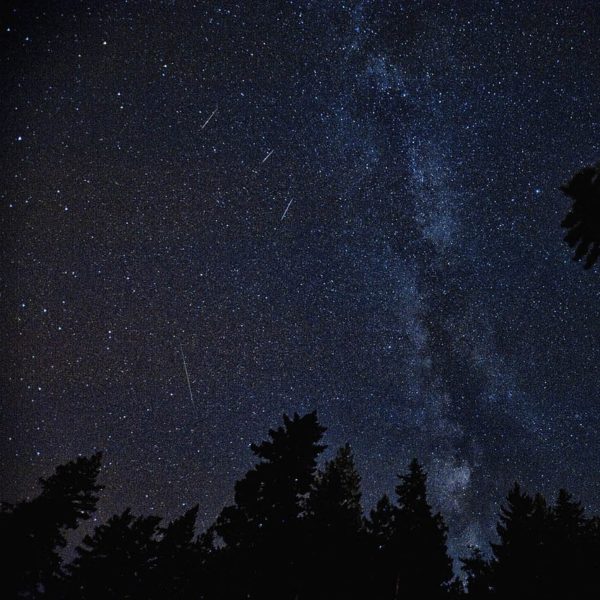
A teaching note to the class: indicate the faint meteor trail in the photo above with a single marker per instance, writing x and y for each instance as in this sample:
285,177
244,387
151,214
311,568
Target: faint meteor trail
212,114
286,209
187,377
267,156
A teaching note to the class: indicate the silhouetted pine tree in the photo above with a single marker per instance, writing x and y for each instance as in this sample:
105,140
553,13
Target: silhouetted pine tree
565,550
542,551
478,577
334,523
583,220
179,561
381,522
424,567
572,567
408,543
262,532
117,561
33,532
380,528
590,544
520,557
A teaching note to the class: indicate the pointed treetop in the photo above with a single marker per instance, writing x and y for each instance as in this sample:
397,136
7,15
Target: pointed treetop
411,492
72,490
291,437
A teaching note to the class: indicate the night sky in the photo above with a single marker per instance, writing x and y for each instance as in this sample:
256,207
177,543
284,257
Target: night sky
344,206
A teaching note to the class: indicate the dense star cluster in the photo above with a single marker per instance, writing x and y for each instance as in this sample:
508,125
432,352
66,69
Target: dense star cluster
215,212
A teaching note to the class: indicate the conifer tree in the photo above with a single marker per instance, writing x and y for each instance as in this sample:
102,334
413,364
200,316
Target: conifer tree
567,569
589,584
179,558
408,543
477,572
33,531
583,219
380,529
335,499
380,525
117,561
262,530
423,565
520,555
335,522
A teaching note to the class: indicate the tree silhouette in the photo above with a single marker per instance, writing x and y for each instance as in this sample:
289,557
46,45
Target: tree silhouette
583,219
262,531
408,542
477,572
180,558
294,532
520,555
542,551
572,566
33,532
424,567
381,523
334,503
335,524
380,528
133,557
117,560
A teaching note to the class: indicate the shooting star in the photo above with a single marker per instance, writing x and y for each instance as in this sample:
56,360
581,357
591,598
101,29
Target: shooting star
187,377
267,156
212,114
286,209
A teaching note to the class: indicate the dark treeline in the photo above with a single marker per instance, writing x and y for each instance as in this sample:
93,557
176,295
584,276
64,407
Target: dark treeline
294,531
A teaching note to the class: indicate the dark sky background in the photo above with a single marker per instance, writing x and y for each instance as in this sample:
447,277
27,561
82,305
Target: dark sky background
368,225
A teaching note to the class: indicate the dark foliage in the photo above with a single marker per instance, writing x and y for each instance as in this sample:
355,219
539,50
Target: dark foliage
583,220
294,532
263,531
333,526
543,551
409,542
33,531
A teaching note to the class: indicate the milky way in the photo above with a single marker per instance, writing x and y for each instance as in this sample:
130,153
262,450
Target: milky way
344,206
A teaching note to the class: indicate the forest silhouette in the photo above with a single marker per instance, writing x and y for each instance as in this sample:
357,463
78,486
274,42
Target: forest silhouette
294,531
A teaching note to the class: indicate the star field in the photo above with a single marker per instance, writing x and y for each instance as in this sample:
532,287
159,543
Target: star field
348,206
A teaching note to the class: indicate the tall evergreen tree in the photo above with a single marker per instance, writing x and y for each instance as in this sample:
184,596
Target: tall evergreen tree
33,531
423,565
179,559
380,525
569,569
335,500
261,531
335,522
521,553
477,571
589,584
381,531
117,561
408,543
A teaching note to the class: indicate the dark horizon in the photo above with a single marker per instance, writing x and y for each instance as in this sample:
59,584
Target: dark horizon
218,212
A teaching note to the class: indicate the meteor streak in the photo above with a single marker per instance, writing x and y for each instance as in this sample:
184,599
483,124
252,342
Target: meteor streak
187,377
212,114
286,209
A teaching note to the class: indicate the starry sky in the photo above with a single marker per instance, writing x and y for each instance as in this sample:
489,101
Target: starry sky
349,206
